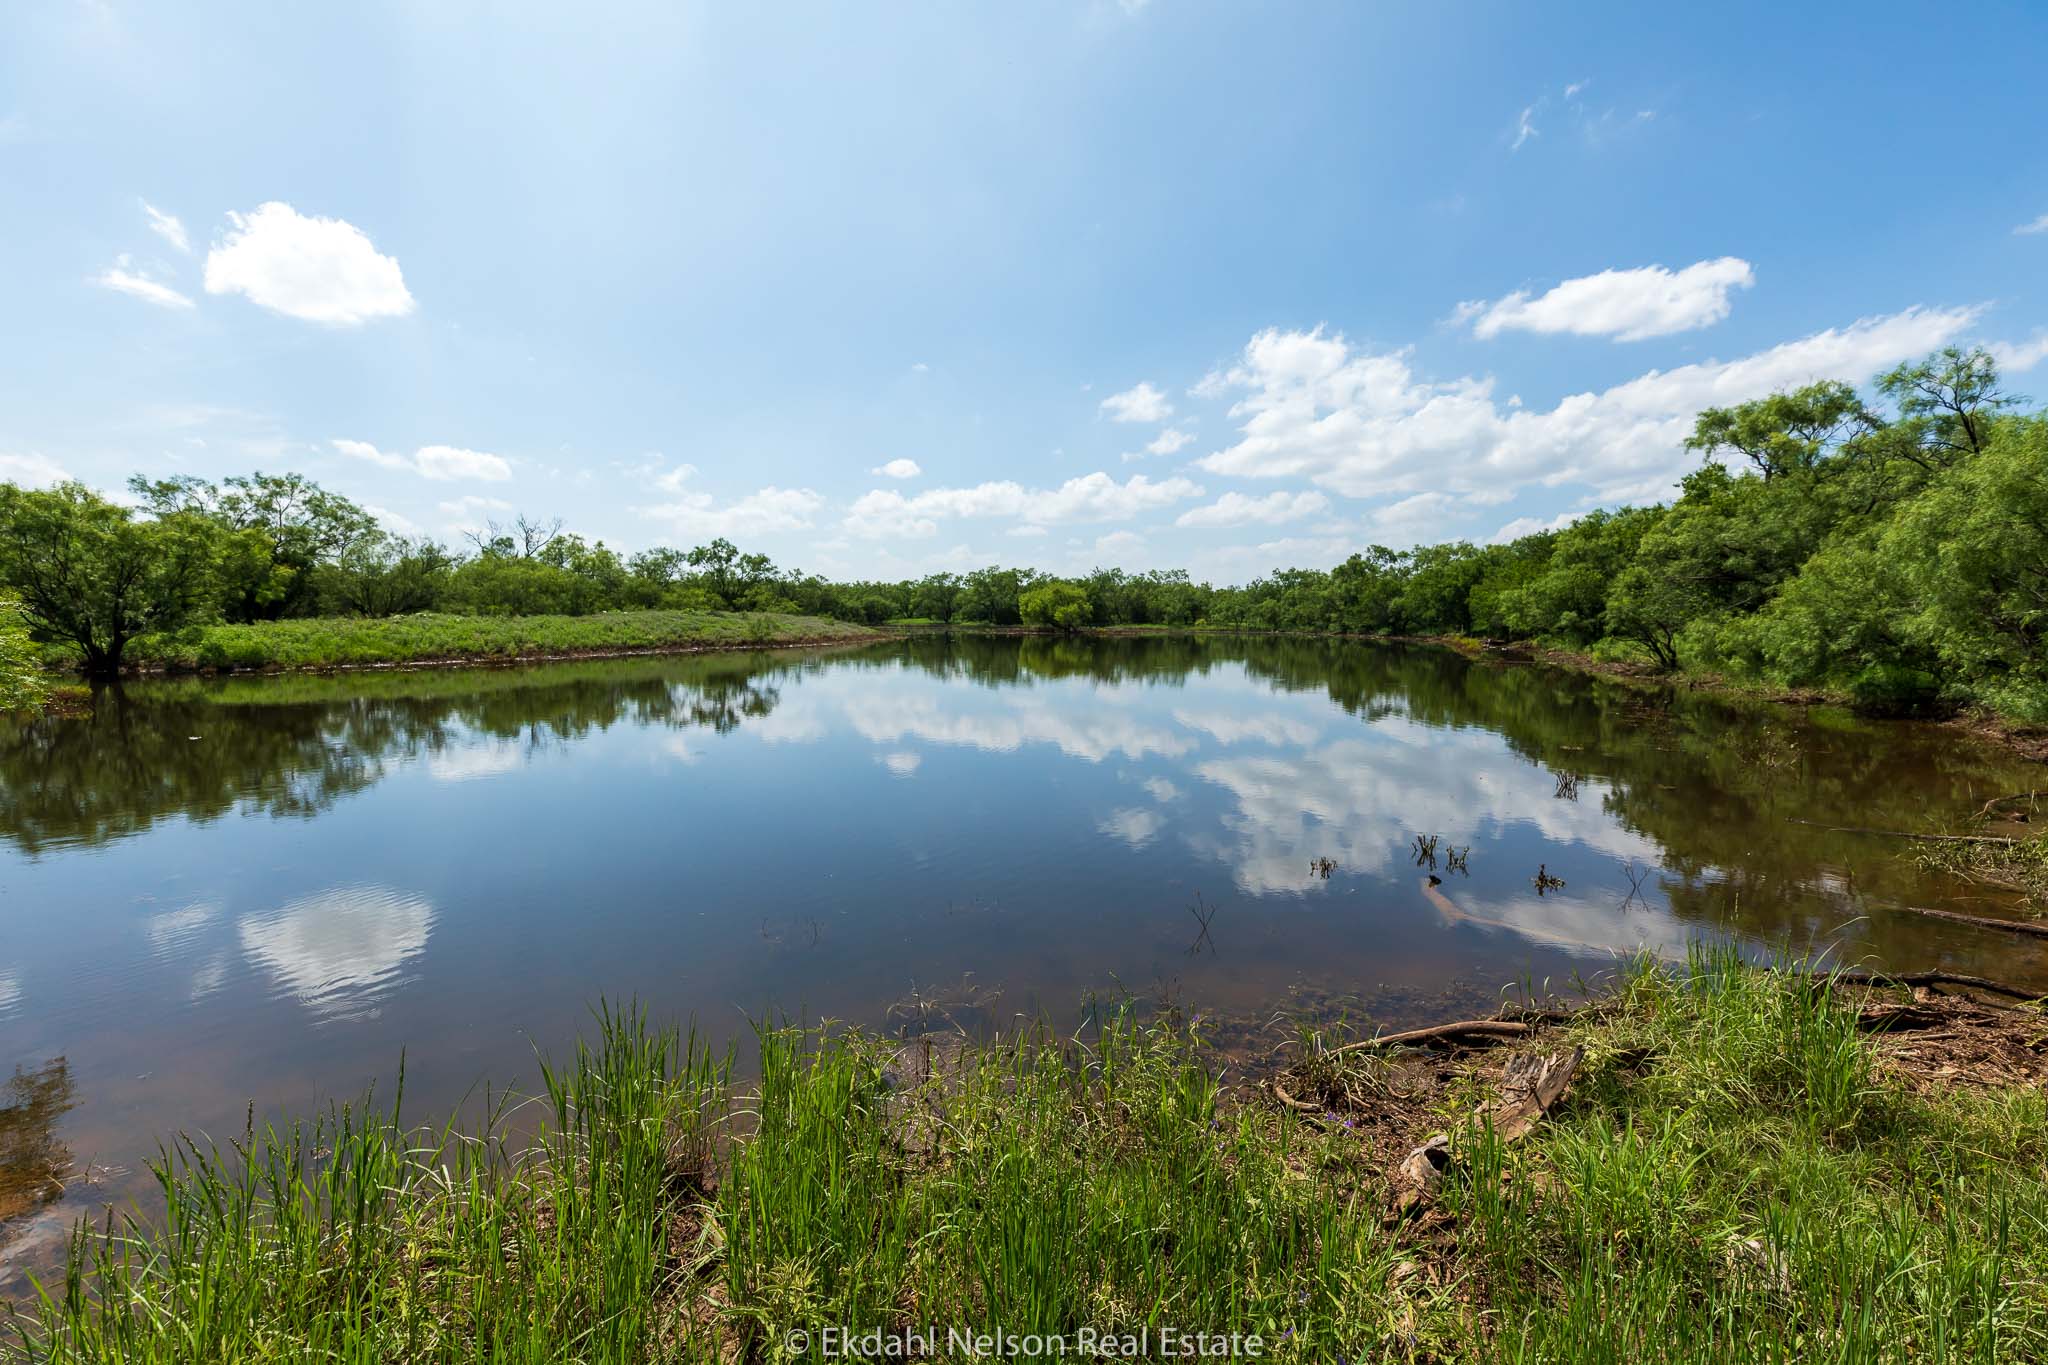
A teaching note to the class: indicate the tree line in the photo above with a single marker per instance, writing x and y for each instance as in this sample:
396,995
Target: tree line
1894,545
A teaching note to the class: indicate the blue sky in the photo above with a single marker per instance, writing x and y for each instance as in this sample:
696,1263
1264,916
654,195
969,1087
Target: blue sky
886,289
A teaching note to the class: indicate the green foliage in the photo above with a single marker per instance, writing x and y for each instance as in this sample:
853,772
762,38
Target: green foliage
1895,690
277,530
1971,556
1786,432
22,684
1858,547
1056,602
1567,598
383,575
330,641
94,575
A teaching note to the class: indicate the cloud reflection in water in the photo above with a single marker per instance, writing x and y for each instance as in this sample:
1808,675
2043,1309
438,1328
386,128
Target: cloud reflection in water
339,952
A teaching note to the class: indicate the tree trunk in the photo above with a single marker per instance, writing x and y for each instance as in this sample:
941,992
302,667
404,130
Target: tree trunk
103,663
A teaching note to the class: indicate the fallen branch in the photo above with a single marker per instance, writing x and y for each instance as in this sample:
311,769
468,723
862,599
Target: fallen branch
1280,1093
1926,979
1530,1087
1995,802
1898,1018
1487,1028
1907,834
2005,926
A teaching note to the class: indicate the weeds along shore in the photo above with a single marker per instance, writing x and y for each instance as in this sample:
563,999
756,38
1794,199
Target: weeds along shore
1713,1162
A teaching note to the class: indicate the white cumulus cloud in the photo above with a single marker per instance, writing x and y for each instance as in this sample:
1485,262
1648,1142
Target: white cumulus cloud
2038,225
1630,305
31,470
315,269
1529,526
2015,357
1241,509
898,469
1141,404
762,511
453,462
1167,442
441,463
884,512
1364,424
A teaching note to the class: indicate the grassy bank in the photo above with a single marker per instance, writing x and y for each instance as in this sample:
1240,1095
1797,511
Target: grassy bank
343,642
1741,1170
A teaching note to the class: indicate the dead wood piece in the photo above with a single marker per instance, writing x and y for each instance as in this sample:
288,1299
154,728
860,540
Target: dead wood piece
1301,1106
1930,978
1530,1087
2003,926
1897,1018
1464,1028
1908,834
1420,1173
1991,807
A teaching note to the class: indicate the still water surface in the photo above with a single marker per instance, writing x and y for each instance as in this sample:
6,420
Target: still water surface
221,893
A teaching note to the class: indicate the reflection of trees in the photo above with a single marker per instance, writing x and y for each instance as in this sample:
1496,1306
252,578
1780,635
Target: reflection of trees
32,1160
294,746
1713,781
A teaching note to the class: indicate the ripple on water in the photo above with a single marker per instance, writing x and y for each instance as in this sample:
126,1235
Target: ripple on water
337,952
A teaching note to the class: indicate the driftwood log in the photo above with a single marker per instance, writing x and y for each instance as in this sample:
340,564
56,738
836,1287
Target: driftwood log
1933,978
1531,1087
1467,1030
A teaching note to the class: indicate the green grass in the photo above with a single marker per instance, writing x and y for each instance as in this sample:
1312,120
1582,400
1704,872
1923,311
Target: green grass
1730,1179
326,642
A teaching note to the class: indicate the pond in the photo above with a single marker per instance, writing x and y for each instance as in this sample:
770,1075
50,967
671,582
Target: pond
226,893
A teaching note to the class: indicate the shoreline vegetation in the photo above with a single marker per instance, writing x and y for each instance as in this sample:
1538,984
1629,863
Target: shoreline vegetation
429,639
439,640
1709,1160
1884,547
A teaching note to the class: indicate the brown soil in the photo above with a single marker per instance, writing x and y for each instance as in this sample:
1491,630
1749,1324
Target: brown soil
1942,1042
1931,1040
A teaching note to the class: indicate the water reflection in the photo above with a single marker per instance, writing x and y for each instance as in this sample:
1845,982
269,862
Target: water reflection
458,863
33,1159
294,747
337,952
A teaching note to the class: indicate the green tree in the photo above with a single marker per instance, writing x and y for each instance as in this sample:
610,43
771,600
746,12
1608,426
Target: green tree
1972,558
1436,588
95,574
1056,602
730,575
1947,403
386,575
1568,598
1508,569
992,595
22,686
935,596
279,528
1786,431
